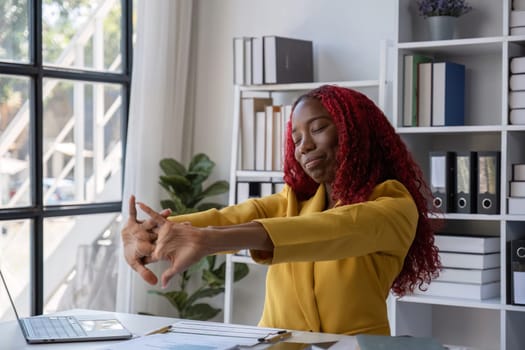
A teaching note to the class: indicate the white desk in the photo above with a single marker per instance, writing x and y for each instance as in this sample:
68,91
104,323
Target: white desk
11,337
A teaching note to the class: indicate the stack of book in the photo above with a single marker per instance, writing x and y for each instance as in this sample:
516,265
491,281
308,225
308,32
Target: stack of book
471,267
517,90
272,60
263,128
433,92
517,190
517,18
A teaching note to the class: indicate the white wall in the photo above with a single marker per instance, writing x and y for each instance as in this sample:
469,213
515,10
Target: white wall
346,36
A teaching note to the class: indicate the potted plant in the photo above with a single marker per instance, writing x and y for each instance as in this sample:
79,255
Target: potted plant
442,15
186,193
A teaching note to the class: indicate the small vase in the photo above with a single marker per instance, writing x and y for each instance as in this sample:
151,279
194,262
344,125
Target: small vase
441,27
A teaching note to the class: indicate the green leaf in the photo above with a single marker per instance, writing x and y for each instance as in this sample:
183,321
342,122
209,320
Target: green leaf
172,167
212,279
177,183
167,203
240,271
200,312
211,261
216,188
204,293
177,298
206,206
201,163
201,264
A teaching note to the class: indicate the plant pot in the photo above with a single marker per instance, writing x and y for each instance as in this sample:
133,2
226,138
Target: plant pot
441,27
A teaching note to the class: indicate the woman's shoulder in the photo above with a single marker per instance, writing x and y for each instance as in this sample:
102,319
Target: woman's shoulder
390,188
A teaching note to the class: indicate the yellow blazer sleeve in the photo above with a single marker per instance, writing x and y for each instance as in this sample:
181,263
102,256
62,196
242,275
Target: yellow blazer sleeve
386,223
266,207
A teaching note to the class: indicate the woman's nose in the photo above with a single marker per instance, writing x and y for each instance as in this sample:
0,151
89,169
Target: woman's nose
306,145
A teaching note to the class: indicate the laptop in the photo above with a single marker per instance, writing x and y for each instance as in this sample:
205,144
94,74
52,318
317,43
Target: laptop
66,329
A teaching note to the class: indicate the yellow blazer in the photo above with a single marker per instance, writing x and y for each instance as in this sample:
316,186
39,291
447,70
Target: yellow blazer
331,270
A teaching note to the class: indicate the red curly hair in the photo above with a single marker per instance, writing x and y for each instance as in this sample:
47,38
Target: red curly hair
372,152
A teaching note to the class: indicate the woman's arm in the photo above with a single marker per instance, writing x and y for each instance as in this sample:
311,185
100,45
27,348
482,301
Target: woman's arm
183,244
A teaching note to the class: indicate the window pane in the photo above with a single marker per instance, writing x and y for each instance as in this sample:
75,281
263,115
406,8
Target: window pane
14,141
14,31
14,264
82,34
82,142
80,265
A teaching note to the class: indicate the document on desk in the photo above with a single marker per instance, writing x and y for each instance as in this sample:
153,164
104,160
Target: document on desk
196,335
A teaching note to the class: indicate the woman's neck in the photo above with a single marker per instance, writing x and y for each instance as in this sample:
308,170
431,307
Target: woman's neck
328,199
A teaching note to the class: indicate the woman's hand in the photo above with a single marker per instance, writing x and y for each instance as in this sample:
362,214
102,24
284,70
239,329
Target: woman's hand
181,244
138,238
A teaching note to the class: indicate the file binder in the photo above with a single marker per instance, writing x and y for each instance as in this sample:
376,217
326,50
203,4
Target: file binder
442,180
517,251
488,193
465,179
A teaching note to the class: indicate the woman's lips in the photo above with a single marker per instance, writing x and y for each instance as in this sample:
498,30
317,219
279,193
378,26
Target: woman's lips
312,163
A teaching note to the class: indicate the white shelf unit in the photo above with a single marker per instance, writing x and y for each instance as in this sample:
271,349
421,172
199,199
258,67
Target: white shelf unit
290,92
484,46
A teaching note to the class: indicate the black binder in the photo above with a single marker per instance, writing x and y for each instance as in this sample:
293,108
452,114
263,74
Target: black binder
517,257
466,182
488,193
442,180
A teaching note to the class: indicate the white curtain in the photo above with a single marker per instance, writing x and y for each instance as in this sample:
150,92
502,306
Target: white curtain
160,123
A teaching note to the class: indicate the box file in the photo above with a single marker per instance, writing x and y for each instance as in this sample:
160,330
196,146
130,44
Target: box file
488,194
466,169
442,180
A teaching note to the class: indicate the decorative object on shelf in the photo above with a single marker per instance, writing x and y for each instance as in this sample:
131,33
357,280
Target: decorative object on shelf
442,15
186,193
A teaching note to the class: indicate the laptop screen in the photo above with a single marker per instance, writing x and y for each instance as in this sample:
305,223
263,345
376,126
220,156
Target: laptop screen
7,307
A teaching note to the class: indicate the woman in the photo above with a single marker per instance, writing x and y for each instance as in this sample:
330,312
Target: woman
350,225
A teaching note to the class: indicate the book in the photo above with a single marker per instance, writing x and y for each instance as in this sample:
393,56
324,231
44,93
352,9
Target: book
462,290
470,261
517,31
517,189
424,94
517,116
474,276
517,19
257,61
273,138
410,79
287,60
467,243
278,187
518,172
518,5
517,65
448,94
242,60
517,99
517,82
260,140
516,205
380,342
249,107
247,61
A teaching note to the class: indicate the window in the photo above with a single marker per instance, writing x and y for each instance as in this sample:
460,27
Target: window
64,90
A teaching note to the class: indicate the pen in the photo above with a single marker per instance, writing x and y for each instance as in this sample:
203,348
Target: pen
281,335
162,330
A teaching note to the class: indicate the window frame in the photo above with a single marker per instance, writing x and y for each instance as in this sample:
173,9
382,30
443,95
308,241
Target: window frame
37,72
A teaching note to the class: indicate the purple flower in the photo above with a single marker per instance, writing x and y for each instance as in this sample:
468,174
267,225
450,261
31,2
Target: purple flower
454,8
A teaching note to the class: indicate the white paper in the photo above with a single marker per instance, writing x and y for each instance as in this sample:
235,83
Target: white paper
178,341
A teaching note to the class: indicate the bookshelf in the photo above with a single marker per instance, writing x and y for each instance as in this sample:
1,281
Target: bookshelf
282,93
483,44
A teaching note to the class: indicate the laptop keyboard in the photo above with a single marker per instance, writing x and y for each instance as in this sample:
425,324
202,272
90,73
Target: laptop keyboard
56,327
